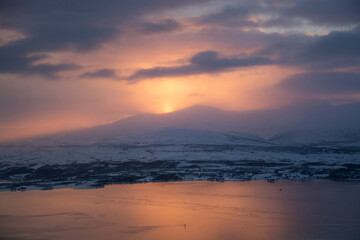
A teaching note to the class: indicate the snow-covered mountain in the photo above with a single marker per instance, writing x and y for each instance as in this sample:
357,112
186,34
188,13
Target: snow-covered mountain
194,136
301,123
307,141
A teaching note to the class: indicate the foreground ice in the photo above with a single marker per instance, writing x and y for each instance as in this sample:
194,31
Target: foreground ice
156,158
322,210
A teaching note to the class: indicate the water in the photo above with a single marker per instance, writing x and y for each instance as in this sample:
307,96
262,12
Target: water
186,210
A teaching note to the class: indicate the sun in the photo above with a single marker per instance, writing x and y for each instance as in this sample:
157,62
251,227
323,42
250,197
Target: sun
167,108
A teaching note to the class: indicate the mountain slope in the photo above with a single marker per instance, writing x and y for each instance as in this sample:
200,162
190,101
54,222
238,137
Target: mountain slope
308,121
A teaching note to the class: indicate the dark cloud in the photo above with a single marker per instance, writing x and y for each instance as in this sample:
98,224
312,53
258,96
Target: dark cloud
336,50
290,13
61,25
313,12
17,61
210,61
232,16
322,83
337,44
161,26
85,25
231,38
325,12
203,62
101,73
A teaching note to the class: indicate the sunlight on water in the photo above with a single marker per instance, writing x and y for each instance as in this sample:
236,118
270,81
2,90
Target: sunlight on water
187,210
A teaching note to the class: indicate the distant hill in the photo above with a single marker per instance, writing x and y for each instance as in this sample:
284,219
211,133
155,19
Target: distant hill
306,122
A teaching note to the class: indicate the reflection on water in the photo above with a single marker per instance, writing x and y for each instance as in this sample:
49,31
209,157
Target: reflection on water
186,210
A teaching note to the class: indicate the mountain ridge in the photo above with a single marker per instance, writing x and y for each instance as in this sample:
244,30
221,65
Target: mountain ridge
317,118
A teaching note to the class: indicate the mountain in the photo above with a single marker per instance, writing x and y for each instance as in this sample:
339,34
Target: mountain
308,122
313,121
193,136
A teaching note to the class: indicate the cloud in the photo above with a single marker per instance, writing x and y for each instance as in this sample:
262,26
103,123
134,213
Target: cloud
336,50
238,16
324,12
289,13
203,62
322,83
18,62
161,26
65,25
83,26
343,44
333,51
101,73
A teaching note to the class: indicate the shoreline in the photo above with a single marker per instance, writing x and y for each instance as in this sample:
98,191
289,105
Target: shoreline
97,186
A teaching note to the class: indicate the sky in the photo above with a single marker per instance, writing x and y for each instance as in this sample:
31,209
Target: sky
72,64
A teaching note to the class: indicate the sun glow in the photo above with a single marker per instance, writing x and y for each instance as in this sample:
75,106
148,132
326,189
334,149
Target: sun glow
167,108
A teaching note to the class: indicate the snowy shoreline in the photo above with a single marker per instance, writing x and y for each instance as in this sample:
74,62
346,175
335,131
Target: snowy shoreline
92,166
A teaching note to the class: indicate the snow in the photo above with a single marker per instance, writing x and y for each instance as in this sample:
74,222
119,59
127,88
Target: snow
198,143
172,154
